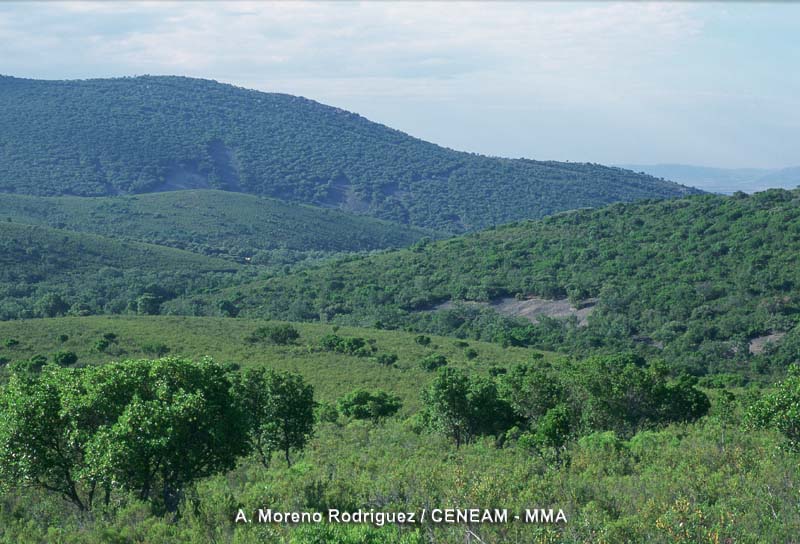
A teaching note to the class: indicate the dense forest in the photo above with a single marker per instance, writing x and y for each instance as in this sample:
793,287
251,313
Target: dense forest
701,282
216,223
145,134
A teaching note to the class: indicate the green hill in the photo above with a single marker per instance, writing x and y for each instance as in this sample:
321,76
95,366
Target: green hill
48,272
705,282
210,222
146,134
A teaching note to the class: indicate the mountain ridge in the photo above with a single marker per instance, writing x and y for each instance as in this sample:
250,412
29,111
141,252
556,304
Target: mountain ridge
100,137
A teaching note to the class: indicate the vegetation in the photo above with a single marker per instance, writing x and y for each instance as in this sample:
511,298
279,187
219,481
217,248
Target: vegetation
148,427
663,462
145,134
694,282
780,409
374,406
236,226
48,272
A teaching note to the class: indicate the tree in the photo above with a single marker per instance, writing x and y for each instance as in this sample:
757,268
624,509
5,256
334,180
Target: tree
178,422
36,446
280,407
361,404
463,408
151,427
51,305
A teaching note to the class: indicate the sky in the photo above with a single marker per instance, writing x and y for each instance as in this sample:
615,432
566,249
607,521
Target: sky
704,83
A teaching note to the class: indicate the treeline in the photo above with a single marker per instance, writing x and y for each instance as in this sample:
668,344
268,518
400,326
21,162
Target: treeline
693,281
136,135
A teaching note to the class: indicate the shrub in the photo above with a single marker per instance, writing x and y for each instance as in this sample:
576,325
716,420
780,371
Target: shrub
432,362
65,358
423,340
361,404
281,334
387,359
349,345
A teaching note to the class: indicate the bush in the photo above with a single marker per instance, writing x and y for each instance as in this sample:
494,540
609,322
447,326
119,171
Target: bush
281,334
387,359
349,345
361,404
423,340
65,358
156,349
432,362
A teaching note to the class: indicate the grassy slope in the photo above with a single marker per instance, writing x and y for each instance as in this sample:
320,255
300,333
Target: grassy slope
332,374
55,253
210,222
101,137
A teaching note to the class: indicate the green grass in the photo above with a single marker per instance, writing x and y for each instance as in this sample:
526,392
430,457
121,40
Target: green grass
223,339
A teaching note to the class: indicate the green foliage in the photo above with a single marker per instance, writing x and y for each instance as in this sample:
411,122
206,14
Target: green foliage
65,358
363,404
601,393
144,134
692,281
387,359
280,409
239,227
463,407
780,409
47,272
152,427
433,362
350,345
280,334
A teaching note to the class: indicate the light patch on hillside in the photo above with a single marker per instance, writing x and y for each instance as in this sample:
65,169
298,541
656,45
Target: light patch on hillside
759,344
533,308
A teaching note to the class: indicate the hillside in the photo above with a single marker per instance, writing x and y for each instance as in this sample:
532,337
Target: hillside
147,134
210,222
694,281
49,272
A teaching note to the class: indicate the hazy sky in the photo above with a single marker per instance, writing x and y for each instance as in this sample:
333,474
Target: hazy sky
699,83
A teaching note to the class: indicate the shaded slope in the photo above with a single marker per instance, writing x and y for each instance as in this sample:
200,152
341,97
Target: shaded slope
210,222
46,272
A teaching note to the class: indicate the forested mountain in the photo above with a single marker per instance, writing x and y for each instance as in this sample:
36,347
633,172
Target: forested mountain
706,282
48,272
146,134
211,222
